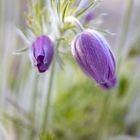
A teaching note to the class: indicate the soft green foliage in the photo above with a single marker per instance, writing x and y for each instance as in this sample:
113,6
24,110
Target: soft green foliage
47,137
83,111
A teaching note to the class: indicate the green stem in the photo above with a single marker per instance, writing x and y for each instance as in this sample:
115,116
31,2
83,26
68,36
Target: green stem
75,21
33,107
48,99
121,49
41,3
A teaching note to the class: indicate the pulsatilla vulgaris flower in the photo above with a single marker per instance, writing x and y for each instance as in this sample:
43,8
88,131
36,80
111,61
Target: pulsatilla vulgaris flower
42,52
93,55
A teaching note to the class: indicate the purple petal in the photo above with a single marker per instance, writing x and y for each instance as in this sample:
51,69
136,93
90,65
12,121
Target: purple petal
43,52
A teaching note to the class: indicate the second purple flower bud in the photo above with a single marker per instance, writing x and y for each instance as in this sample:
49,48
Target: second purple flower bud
95,58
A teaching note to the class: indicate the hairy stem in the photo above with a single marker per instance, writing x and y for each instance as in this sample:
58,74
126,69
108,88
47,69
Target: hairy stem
121,49
48,99
75,21
33,108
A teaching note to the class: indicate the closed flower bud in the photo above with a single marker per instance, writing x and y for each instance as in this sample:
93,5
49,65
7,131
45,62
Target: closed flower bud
42,52
95,58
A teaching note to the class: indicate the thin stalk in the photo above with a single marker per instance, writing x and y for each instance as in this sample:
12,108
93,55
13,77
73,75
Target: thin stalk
33,107
102,117
48,99
75,21
42,3
121,49
2,27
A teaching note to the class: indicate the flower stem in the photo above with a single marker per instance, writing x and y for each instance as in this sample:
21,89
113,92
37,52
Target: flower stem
48,99
75,21
33,107
121,49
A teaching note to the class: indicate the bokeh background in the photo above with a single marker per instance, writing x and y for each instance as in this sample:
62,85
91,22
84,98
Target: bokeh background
80,109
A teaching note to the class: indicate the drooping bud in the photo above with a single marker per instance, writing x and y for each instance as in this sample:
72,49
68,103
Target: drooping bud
42,52
92,53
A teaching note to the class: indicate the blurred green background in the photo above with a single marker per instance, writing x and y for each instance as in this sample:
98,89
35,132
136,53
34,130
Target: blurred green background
80,109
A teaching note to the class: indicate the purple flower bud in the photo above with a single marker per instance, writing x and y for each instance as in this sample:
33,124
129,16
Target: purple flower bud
93,55
90,16
42,53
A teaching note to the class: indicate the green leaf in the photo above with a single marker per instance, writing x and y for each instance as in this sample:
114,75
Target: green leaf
52,3
20,51
36,8
67,8
58,7
92,4
72,2
64,12
23,36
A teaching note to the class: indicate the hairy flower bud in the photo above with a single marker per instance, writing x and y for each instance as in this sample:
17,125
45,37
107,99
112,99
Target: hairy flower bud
42,52
93,55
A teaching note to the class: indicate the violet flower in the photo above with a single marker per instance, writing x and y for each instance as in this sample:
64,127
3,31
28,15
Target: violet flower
93,55
42,52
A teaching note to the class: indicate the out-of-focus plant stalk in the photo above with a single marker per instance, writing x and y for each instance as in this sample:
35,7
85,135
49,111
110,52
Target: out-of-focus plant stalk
42,3
75,21
33,106
1,37
121,49
3,24
48,99
121,54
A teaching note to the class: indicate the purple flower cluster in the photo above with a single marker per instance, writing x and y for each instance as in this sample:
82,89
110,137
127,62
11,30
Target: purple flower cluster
91,51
